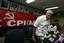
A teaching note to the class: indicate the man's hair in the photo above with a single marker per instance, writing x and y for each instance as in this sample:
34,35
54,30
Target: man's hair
49,11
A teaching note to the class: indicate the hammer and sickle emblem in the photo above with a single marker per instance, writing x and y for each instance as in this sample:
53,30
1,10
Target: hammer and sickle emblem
9,16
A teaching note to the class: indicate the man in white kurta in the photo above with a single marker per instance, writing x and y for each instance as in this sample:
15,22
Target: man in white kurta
42,23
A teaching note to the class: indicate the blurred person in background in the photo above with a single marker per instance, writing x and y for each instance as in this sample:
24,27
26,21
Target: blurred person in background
15,35
61,38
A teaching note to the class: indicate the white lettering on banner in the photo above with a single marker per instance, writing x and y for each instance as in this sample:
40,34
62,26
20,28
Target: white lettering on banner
19,22
0,21
29,22
9,15
9,23
24,22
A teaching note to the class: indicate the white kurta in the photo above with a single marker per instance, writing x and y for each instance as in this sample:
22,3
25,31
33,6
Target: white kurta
42,25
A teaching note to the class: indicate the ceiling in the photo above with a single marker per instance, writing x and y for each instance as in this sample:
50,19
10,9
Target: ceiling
42,4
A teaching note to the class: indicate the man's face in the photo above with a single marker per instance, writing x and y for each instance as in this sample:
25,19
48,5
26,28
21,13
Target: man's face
48,15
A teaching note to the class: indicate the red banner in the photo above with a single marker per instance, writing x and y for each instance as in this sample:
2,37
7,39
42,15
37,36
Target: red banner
12,18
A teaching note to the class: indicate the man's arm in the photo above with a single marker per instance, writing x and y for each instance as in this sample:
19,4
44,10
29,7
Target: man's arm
36,24
34,30
33,34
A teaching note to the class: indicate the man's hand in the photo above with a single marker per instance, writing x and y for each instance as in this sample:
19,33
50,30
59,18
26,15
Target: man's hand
33,38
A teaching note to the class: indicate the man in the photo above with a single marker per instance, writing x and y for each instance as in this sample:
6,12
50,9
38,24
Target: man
41,25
